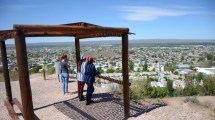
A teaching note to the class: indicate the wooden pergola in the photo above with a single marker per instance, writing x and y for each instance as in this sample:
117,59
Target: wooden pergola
78,30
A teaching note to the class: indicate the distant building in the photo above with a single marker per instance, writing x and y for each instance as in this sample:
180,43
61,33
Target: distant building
185,71
158,84
178,84
183,66
206,71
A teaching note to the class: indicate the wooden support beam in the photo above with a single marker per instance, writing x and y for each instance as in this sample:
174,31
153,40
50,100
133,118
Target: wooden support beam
7,34
10,110
77,52
24,80
6,72
125,75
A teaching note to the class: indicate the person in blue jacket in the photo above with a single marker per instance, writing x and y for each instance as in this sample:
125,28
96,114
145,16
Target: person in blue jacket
89,78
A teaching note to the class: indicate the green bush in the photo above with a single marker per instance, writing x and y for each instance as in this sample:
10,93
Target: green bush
200,90
161,92
35,69
169,87
98,81
153,93
51,70
189,90
178,92
110,70
138,89
209,85
100,70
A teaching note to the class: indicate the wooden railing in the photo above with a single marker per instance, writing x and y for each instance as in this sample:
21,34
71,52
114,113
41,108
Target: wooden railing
11,110
111,79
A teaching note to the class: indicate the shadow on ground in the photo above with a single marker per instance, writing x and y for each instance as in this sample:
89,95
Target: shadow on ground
106,107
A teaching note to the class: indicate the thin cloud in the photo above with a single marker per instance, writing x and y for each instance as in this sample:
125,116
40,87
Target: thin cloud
144,13
18,7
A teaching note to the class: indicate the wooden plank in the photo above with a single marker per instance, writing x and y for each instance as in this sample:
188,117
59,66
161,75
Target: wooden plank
82,24
125,75
99,35
64,27
46,34
46,30
24,82
5,71
10,110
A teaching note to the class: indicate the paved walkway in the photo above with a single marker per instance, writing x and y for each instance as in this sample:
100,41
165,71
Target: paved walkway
50,103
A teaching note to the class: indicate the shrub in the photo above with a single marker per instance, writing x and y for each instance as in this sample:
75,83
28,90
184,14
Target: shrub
191,99
209,85
200,90
153,93
51,70
161,92
138,89
178,92
14,75
189,90
98,81
110,70
169,87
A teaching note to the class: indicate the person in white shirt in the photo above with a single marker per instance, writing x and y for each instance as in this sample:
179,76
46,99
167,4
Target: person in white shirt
57,69
80,77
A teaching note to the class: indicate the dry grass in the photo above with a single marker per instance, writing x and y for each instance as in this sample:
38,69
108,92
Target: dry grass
204,101
149,101
210,105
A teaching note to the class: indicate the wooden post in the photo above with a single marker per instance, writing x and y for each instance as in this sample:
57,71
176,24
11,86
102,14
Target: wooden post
44,71
125,74
24,80
6,72
77,51
77,48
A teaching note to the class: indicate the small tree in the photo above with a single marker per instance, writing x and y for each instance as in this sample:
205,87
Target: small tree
110,70
189,90
199,76
130,65
100,70
169,87
118,71
145,66
209,85
98,81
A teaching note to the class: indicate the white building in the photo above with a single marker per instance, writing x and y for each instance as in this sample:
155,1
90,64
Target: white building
206,71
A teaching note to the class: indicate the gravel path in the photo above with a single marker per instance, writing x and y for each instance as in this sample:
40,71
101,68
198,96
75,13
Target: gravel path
50,104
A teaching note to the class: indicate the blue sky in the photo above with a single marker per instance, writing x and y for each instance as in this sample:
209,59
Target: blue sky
149,19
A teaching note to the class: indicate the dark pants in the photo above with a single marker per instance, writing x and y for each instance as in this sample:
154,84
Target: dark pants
80,89
90,90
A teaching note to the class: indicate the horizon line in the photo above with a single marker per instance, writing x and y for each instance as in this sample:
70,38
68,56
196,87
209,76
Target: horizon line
83,41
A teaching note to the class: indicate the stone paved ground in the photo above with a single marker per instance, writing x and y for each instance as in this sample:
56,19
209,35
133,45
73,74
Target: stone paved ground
106,107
